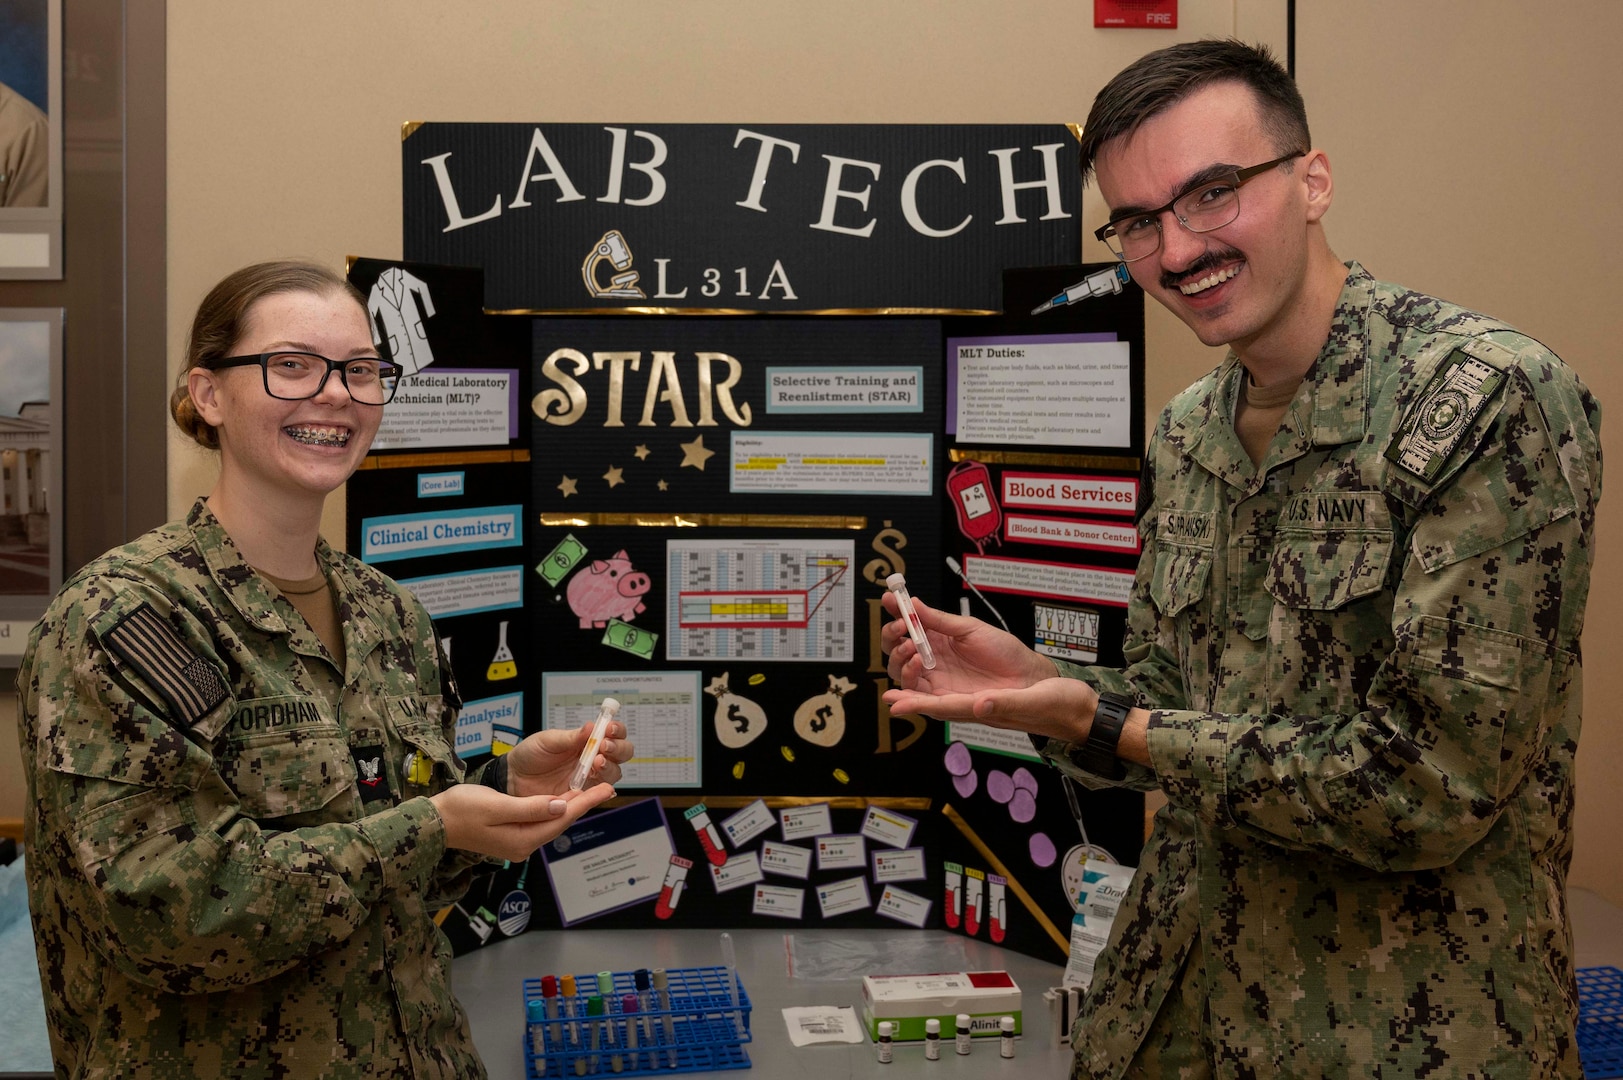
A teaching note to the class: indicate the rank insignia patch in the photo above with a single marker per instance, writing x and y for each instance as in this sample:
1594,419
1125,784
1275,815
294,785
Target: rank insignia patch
1437,422
369,774
147,642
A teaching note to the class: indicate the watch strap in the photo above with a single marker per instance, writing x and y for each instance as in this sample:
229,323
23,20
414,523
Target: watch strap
495,774
1097,754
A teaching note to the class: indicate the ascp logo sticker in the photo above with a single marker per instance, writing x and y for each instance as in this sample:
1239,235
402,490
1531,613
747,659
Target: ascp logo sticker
514,914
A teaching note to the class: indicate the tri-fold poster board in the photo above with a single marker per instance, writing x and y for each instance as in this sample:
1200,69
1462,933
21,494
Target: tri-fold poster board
602,479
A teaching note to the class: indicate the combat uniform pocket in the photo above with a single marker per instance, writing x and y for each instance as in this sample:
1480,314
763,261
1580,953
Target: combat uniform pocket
430,764
1330,548
1180,577
1324,571
281,773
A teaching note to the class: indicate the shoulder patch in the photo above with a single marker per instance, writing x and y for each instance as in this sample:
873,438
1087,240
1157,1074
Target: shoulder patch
146,641
1458,392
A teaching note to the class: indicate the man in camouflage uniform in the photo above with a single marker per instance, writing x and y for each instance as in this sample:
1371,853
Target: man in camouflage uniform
1352,640
181,724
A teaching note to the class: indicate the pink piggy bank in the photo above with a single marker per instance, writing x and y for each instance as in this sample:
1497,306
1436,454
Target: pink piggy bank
608,589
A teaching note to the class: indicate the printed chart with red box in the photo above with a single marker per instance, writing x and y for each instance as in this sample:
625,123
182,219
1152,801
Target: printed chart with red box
759,600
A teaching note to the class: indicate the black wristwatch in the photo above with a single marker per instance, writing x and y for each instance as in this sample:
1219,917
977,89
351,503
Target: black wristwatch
1097,754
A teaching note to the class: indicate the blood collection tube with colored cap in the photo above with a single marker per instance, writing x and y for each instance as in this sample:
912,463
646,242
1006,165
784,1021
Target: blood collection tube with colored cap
604,714
897,584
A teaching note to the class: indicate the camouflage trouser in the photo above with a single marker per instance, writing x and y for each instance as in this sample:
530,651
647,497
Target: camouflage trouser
1176,1044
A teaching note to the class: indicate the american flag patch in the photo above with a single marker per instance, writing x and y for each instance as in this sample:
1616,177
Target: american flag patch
146,641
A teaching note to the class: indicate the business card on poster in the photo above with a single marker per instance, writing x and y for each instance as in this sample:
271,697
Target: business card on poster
841,853
788,860
903,906
742,869
611,860
842,897
778,901
888,827
799,822
904,865
748,823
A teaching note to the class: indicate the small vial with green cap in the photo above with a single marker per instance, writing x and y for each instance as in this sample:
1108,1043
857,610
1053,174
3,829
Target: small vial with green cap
605,987
594,1021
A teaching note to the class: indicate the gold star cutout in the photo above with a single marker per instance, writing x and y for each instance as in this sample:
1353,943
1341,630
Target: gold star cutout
663,486
694,453
613,476
568,486
642,453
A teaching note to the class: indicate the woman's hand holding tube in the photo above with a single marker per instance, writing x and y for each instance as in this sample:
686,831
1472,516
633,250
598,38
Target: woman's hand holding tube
510,827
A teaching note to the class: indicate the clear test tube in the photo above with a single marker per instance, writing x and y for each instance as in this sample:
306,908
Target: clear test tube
664,1002
605,989
897,584
584,768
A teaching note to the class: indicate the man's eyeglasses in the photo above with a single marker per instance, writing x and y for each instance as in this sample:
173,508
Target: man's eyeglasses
1210,204
294,376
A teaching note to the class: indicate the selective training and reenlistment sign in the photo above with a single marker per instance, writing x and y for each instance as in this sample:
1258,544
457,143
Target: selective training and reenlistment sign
716,217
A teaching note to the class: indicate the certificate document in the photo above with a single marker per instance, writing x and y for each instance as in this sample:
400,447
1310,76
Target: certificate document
609,861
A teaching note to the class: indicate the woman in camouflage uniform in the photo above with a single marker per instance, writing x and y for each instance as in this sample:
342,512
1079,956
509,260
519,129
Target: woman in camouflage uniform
246,806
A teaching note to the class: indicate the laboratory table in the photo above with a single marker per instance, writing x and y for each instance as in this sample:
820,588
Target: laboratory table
489,984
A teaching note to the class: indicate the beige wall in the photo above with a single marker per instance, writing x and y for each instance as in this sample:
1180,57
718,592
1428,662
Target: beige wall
1476,146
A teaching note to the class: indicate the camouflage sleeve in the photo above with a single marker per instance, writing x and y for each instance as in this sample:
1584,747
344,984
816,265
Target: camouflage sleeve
1481,673
456,869
149,843
1152,673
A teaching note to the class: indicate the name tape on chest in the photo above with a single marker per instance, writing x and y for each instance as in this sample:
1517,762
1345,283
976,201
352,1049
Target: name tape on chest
1452,401
147,642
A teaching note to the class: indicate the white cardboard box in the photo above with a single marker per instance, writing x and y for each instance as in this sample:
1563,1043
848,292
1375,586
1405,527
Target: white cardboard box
907,1001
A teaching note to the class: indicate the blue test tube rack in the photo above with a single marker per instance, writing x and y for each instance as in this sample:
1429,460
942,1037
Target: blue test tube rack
703,1033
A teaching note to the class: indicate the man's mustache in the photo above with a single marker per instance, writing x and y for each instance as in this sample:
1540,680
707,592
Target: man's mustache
1202,266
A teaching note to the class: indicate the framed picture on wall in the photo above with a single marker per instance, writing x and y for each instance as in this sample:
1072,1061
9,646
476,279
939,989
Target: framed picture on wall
30,471
31,139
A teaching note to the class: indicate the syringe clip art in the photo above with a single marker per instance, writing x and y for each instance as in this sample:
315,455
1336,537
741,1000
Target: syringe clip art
1104,282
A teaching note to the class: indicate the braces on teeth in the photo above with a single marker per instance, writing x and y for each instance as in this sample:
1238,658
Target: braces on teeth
337,438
